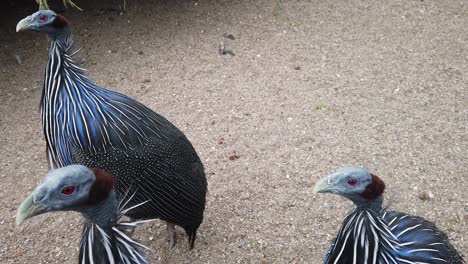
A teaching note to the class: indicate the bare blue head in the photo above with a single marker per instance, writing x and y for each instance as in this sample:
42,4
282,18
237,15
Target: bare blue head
356,184
71,188
44,21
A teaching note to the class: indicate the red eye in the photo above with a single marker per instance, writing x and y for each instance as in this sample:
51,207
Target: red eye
68,190
352,182
43,18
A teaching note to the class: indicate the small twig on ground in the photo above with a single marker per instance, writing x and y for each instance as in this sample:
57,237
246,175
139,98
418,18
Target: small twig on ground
370,5
277,11
18,59
224,51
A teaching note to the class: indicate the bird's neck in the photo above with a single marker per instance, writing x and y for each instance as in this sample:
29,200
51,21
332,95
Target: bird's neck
63,88
374,204
60,36
364,237
61,67
103,214
105,237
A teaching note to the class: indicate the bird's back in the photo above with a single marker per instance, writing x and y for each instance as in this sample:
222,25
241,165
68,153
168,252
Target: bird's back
423,241
159,163
161,172
390,237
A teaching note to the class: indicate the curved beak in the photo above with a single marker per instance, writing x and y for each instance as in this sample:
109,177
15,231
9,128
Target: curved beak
323,186
29,208
24,24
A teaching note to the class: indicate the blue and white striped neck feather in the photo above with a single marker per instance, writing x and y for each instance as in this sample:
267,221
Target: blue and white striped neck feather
370,234
79,115
367,237
105,238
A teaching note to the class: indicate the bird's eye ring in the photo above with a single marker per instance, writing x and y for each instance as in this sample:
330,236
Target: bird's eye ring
43,18
352,182
68,190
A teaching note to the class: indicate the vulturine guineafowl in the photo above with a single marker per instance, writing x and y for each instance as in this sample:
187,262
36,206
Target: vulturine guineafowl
89,191
89,125
371,234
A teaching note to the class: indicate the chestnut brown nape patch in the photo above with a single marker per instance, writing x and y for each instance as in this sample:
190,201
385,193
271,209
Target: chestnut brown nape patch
375,189
101,187
60,22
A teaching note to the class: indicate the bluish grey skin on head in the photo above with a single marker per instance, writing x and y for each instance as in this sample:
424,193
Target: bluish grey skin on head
48,198
336,183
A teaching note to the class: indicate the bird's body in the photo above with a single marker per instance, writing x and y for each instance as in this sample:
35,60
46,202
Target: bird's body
372,234
368,236
105,238
87,124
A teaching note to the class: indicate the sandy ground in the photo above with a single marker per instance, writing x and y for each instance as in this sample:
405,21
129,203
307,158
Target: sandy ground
312,86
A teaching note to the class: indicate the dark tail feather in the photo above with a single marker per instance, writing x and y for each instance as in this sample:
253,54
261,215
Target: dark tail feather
191,232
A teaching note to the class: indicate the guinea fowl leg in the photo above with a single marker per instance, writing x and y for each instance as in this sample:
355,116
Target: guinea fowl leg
171,234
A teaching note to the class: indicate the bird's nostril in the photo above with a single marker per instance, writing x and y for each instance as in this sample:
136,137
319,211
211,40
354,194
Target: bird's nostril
38,196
